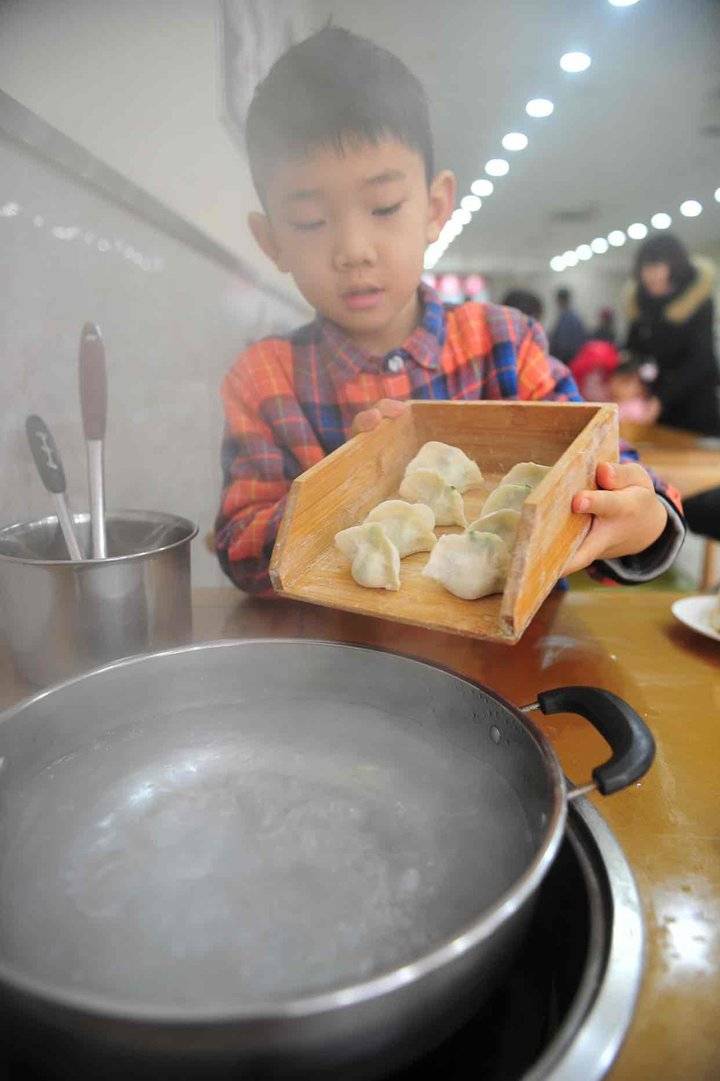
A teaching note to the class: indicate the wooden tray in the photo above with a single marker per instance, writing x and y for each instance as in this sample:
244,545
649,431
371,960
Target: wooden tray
340,490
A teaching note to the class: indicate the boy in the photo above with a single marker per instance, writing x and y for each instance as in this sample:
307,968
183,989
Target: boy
340,149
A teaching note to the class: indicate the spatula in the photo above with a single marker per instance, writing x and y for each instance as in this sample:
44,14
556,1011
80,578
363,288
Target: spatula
52,474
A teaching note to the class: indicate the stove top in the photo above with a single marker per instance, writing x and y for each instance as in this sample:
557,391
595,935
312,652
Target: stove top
562,1011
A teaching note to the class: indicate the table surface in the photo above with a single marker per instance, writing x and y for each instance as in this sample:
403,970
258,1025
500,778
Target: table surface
668,824
681,458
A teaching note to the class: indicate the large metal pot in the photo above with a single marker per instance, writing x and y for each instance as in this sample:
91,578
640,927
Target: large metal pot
273,858
62,616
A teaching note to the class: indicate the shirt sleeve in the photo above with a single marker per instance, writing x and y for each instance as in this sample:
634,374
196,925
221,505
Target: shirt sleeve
257,473
543,378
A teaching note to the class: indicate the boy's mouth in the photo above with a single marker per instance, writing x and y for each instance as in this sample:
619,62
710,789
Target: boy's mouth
362,298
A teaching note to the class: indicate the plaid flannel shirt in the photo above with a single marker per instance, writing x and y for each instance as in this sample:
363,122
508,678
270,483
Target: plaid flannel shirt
289,401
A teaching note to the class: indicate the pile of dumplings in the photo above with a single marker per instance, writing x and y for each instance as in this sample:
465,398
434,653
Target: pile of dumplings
470,564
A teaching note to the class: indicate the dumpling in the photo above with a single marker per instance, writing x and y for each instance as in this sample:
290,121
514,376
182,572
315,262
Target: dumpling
504,523
506,496
428,487
408,525
529,473
375,561
470,565
450,462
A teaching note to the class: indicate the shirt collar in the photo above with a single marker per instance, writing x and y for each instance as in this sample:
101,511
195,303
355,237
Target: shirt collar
424,345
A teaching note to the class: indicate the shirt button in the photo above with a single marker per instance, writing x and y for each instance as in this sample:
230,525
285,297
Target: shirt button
395,364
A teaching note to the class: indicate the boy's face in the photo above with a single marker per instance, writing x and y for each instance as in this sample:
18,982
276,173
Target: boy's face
352,229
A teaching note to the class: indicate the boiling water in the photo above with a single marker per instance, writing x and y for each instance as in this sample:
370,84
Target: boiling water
248,863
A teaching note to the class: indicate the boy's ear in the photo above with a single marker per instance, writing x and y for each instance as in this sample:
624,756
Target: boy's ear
443,190
262,230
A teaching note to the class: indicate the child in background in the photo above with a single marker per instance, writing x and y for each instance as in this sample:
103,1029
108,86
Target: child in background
341,153
634,400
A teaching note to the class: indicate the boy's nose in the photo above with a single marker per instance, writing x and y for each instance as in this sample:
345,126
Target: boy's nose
352,249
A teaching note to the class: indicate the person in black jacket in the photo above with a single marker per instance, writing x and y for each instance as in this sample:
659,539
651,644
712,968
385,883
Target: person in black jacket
670,308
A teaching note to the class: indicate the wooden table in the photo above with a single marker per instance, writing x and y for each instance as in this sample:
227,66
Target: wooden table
681,459
668,825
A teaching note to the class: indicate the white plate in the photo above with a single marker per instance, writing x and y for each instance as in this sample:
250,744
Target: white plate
695,612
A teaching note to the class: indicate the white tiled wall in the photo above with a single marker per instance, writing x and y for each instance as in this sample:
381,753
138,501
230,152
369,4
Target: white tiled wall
172,320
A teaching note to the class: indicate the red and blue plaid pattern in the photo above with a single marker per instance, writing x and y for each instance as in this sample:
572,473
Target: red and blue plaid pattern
290,401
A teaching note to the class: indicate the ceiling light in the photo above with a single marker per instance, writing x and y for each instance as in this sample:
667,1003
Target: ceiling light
637,231
584,252
623,3
575,62
717,195
471,203
497,167
616,238
661,221
557,263
539,107
514,140
599,245
691,208
482,187
570,258
462,217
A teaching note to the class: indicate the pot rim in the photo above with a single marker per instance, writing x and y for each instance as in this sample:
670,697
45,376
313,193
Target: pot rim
466,939
82,517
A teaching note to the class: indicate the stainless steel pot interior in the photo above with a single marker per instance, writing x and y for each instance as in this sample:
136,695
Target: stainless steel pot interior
130,534
246,828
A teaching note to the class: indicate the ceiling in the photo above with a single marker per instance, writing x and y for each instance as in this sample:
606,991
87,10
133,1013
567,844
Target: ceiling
637,133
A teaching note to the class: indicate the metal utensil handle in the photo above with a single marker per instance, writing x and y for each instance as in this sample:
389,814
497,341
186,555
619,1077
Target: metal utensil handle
50,467
97,498
93,382
631,740
66,524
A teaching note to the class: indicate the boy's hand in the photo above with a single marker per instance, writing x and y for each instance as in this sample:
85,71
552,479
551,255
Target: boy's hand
370,418
627,515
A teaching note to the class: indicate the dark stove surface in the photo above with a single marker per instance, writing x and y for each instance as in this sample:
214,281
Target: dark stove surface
511,1029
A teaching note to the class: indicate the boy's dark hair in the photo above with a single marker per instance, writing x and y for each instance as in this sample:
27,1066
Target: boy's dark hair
526,302
330,90
563,297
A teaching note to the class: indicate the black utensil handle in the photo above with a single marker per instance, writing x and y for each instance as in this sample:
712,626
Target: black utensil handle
93,382
45,453
631,740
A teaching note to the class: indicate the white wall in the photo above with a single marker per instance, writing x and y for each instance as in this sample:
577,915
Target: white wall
137,83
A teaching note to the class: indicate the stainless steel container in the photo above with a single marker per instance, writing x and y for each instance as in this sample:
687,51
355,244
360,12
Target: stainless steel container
62,617
273,859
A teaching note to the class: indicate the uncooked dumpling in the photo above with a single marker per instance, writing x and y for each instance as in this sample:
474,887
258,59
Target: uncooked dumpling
470,565
450,462
504,523
529,473
408,525
428,487
375,561
506,497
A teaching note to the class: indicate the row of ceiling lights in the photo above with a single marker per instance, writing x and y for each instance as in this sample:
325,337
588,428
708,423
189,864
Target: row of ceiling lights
538,108
691,208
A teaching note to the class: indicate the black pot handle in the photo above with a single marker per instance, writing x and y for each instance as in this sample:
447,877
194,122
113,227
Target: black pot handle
631,740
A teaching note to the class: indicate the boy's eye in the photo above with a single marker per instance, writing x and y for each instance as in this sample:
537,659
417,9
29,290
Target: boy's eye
307,226
386,211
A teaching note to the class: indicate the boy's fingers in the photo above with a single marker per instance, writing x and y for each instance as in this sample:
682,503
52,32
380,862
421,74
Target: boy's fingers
367,420
390,407
602,504
624,475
